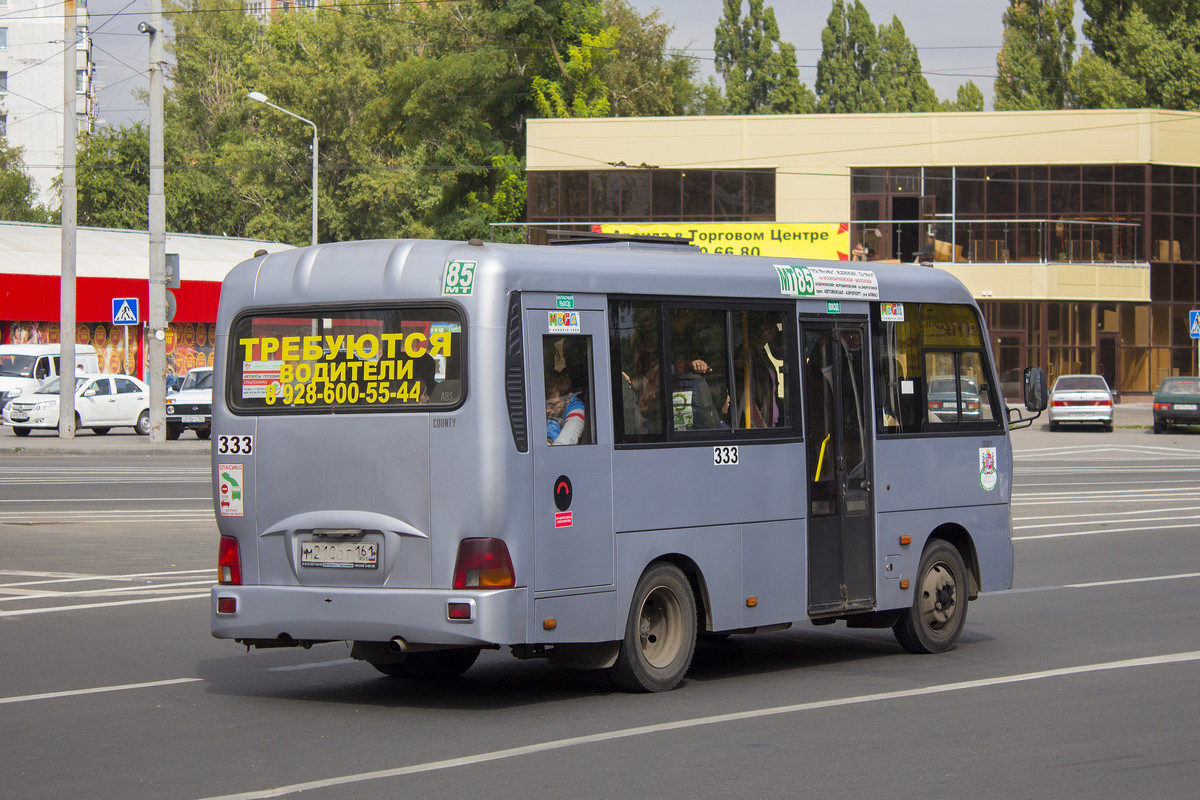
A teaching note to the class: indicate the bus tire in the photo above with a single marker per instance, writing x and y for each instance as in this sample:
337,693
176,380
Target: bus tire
433,665
660,632
939,610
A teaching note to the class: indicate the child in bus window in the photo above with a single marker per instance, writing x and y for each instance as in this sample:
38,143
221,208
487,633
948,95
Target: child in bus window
565,416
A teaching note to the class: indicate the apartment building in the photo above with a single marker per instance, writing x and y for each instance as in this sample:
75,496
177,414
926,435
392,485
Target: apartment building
32,85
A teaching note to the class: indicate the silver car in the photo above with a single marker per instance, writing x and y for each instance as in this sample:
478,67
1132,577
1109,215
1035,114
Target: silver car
1081,398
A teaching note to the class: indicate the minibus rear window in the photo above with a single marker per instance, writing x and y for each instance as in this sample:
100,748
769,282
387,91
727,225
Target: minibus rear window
363,359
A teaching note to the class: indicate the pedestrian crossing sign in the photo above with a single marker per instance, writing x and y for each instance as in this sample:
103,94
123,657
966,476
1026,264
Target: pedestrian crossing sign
125,311
1194,323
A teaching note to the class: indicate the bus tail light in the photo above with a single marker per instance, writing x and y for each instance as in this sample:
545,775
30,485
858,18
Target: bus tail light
229,561
483,564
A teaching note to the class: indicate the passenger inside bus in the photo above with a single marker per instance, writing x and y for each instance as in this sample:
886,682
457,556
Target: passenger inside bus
425,373
565,414
756,378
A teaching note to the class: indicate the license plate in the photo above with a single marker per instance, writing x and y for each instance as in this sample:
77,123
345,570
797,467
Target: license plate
191,418
17,416
343,555
1185,406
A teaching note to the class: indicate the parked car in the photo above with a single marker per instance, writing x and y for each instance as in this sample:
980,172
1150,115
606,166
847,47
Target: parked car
1083,399
102,402
943,400
191,407
1177,402
25,367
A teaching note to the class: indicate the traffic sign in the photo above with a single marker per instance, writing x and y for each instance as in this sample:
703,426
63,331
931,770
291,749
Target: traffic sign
125,311
1194,323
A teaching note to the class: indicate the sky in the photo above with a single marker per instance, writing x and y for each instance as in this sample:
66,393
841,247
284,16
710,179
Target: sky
957,41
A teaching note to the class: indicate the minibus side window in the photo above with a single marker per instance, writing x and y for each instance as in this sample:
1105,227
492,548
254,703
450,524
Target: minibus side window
931,373
568,381
635,334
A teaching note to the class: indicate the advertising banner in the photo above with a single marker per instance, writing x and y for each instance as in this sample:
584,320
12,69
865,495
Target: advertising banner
824,240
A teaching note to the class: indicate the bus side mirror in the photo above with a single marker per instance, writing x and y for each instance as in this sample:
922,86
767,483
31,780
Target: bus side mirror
1037,396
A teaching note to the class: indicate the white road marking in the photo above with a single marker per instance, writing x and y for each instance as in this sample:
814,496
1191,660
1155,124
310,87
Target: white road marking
85,606
75,577
1172,518
25,698
159,588
1109,514
1096,584
696,722
1099,532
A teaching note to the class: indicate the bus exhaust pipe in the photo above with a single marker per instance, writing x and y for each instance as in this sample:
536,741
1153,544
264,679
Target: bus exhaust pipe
397,645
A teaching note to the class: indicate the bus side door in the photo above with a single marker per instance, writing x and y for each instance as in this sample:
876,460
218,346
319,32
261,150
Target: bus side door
571,441
841,552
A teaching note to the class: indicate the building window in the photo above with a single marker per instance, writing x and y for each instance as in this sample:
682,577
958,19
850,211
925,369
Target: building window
642,195
306,5
4,82
80,81
81,36
3,124
3,38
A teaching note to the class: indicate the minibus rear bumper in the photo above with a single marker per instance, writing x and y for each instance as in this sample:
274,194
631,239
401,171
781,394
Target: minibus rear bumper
316,614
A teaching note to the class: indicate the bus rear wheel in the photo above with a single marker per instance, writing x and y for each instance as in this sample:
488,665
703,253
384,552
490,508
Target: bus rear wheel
660,633
939,610
434,665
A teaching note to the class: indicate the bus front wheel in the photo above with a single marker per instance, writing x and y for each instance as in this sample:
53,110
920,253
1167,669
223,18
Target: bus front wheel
939,610
660,633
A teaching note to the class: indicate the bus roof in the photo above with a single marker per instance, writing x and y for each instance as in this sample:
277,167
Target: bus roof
408,269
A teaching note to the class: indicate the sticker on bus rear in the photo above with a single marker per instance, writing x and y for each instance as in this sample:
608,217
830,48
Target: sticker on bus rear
231,480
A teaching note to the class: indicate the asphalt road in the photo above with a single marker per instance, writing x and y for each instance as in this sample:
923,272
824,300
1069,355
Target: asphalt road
1080,682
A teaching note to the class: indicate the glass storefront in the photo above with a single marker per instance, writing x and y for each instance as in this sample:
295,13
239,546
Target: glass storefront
1133,345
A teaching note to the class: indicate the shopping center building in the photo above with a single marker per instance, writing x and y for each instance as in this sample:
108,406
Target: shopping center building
1075,230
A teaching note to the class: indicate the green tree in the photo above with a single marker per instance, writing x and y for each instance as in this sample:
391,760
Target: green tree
112,178
850,51
898,76
581,92
1035,57
18,197
1143,54
760,71
969,98
645,78
420,109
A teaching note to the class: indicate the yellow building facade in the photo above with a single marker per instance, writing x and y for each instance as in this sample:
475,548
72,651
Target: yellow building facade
1075,230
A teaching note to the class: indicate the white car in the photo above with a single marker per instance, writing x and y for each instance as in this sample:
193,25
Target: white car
1081,398
190,408
102,402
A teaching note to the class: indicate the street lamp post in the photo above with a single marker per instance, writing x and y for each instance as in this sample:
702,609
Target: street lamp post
259,97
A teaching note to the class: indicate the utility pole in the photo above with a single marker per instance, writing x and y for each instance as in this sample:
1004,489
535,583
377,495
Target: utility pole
66,309
156,340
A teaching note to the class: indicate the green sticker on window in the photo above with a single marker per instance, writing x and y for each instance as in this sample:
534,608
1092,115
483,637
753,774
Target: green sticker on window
459,277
